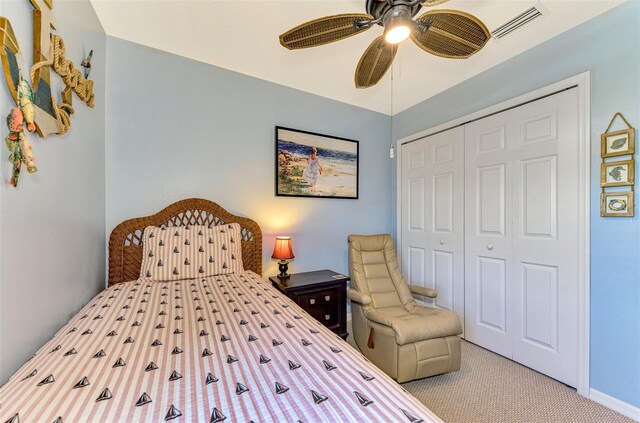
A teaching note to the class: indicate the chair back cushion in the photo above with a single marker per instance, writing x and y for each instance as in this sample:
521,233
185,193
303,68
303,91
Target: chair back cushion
375,272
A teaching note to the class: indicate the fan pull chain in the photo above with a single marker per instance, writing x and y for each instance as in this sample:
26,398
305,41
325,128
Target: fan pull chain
399,63
391,150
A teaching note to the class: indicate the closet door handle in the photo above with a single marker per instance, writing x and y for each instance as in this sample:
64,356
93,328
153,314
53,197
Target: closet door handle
442,242
489,247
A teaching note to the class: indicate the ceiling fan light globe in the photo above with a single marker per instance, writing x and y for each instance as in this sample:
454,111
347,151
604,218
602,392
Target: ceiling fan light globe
397,34
397,24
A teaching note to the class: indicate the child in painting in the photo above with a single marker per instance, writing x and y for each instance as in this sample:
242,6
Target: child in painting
313,169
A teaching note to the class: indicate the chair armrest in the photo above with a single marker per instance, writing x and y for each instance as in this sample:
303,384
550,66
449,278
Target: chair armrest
427,292
373,315
405,331
358,297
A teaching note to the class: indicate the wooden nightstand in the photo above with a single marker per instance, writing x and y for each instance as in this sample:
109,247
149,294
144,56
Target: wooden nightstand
321,295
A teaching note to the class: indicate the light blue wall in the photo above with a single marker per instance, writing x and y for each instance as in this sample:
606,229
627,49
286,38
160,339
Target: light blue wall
52,245
609,47
178,128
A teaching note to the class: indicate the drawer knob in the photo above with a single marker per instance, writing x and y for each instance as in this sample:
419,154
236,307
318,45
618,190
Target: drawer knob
327,298
312,301
327,317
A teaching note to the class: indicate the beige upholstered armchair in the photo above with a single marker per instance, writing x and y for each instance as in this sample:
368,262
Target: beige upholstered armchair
403,339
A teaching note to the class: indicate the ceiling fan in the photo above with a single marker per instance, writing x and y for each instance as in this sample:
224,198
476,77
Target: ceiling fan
446,33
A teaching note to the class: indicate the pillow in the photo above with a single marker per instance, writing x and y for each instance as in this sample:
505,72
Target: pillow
189,252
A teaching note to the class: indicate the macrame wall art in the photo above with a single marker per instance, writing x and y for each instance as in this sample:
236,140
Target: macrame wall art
38,110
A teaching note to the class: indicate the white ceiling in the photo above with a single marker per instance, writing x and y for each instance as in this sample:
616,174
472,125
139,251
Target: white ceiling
242,35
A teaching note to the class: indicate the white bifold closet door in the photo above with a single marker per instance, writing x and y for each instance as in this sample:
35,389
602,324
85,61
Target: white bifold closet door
521,234
433,217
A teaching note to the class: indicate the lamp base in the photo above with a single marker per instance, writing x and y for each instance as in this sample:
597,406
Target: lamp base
283,266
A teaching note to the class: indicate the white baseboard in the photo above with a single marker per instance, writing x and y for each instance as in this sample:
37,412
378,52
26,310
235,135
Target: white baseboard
615,404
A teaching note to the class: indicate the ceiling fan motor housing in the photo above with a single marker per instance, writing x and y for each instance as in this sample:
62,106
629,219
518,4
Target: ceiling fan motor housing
383,10
395,15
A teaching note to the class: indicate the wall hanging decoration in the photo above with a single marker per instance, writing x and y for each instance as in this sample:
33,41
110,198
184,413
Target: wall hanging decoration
73,80
618,143
617,204
43,23
315,165
38,107
11,56
19,146
26,100
617,173
86,64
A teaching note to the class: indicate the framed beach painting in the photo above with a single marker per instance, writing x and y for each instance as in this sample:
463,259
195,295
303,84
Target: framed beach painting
315,165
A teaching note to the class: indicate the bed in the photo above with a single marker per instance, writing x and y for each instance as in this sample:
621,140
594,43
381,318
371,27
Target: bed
218,348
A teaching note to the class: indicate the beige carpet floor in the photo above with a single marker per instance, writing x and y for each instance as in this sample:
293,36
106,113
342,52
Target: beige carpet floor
489,388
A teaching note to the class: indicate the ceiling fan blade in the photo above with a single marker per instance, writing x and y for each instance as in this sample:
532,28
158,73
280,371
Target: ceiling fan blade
324,30
453,34
375,62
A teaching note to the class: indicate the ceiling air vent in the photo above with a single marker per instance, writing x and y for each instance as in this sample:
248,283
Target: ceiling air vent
527,16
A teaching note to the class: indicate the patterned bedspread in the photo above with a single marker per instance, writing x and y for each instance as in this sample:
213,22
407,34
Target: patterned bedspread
225,348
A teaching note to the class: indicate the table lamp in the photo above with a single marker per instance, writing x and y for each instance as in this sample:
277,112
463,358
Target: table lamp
283,251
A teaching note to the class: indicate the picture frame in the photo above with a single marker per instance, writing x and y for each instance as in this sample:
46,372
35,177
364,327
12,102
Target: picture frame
617,174
309,164
618,143
617,204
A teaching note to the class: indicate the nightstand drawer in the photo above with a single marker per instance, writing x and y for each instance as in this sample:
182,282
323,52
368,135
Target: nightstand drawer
323,305
319,300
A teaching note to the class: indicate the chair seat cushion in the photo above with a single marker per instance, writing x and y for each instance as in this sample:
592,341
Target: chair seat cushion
422,324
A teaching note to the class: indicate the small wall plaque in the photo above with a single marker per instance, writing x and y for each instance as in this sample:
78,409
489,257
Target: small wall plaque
617,204
617,174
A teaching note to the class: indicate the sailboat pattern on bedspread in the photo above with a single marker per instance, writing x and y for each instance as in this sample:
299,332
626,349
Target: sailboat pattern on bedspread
224,348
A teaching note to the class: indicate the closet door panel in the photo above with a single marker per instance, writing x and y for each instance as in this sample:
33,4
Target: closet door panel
446,225
442,203
492,293
415,265
540,305
488,248
416,204
415,242
491,139
439,165
443,274
539,198
490,198
545,238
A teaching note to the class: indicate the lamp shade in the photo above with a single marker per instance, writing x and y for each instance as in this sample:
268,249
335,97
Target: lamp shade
283,250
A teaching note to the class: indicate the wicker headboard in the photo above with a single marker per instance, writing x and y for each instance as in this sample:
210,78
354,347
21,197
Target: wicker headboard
125,243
